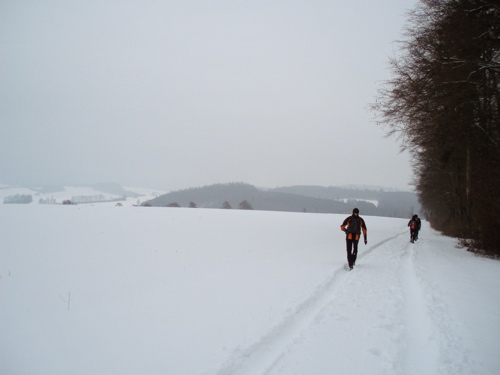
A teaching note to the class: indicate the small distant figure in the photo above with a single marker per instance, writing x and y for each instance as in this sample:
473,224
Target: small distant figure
414,225
352,226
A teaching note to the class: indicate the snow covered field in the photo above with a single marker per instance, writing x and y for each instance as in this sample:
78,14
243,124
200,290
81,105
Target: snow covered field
70,192
105,290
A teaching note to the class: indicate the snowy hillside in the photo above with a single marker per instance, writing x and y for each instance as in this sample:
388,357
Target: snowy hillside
73,193
105,290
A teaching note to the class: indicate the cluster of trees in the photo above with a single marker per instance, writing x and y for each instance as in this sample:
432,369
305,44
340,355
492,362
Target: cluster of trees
244,205
50,200
443,103
99,198
18,199
175,204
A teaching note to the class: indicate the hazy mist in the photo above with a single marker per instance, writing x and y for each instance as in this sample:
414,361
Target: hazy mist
175,94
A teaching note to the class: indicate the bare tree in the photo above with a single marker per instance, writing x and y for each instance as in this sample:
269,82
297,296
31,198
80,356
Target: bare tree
443,103
226,205
245,206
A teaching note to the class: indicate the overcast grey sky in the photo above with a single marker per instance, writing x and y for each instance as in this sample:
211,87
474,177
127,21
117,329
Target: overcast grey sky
178,93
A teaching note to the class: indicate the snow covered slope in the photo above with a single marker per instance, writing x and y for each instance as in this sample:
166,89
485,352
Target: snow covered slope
71,192
107,290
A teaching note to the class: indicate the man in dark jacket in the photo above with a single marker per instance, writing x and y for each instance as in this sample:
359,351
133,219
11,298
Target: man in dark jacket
352,226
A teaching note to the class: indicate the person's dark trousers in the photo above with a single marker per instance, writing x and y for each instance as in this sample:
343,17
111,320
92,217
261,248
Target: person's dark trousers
413,235
352,251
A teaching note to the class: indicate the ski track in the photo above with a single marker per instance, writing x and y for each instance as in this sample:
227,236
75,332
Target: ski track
264,354
417,332
414,324
440,343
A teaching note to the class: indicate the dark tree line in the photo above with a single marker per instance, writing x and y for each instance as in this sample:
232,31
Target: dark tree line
443,103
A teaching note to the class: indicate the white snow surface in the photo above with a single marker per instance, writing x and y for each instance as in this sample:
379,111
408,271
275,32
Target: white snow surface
105,290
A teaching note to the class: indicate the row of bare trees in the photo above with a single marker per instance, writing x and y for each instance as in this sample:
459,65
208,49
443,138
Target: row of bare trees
244,205
443,102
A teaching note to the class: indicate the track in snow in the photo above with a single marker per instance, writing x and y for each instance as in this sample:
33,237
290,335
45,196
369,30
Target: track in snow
427,319
263,355
418,330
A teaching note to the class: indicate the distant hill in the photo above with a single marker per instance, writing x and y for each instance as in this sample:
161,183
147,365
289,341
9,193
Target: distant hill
106,187
317,199
389,203
293,199
114,188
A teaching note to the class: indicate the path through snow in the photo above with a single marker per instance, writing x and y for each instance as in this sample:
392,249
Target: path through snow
120,291
385,317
